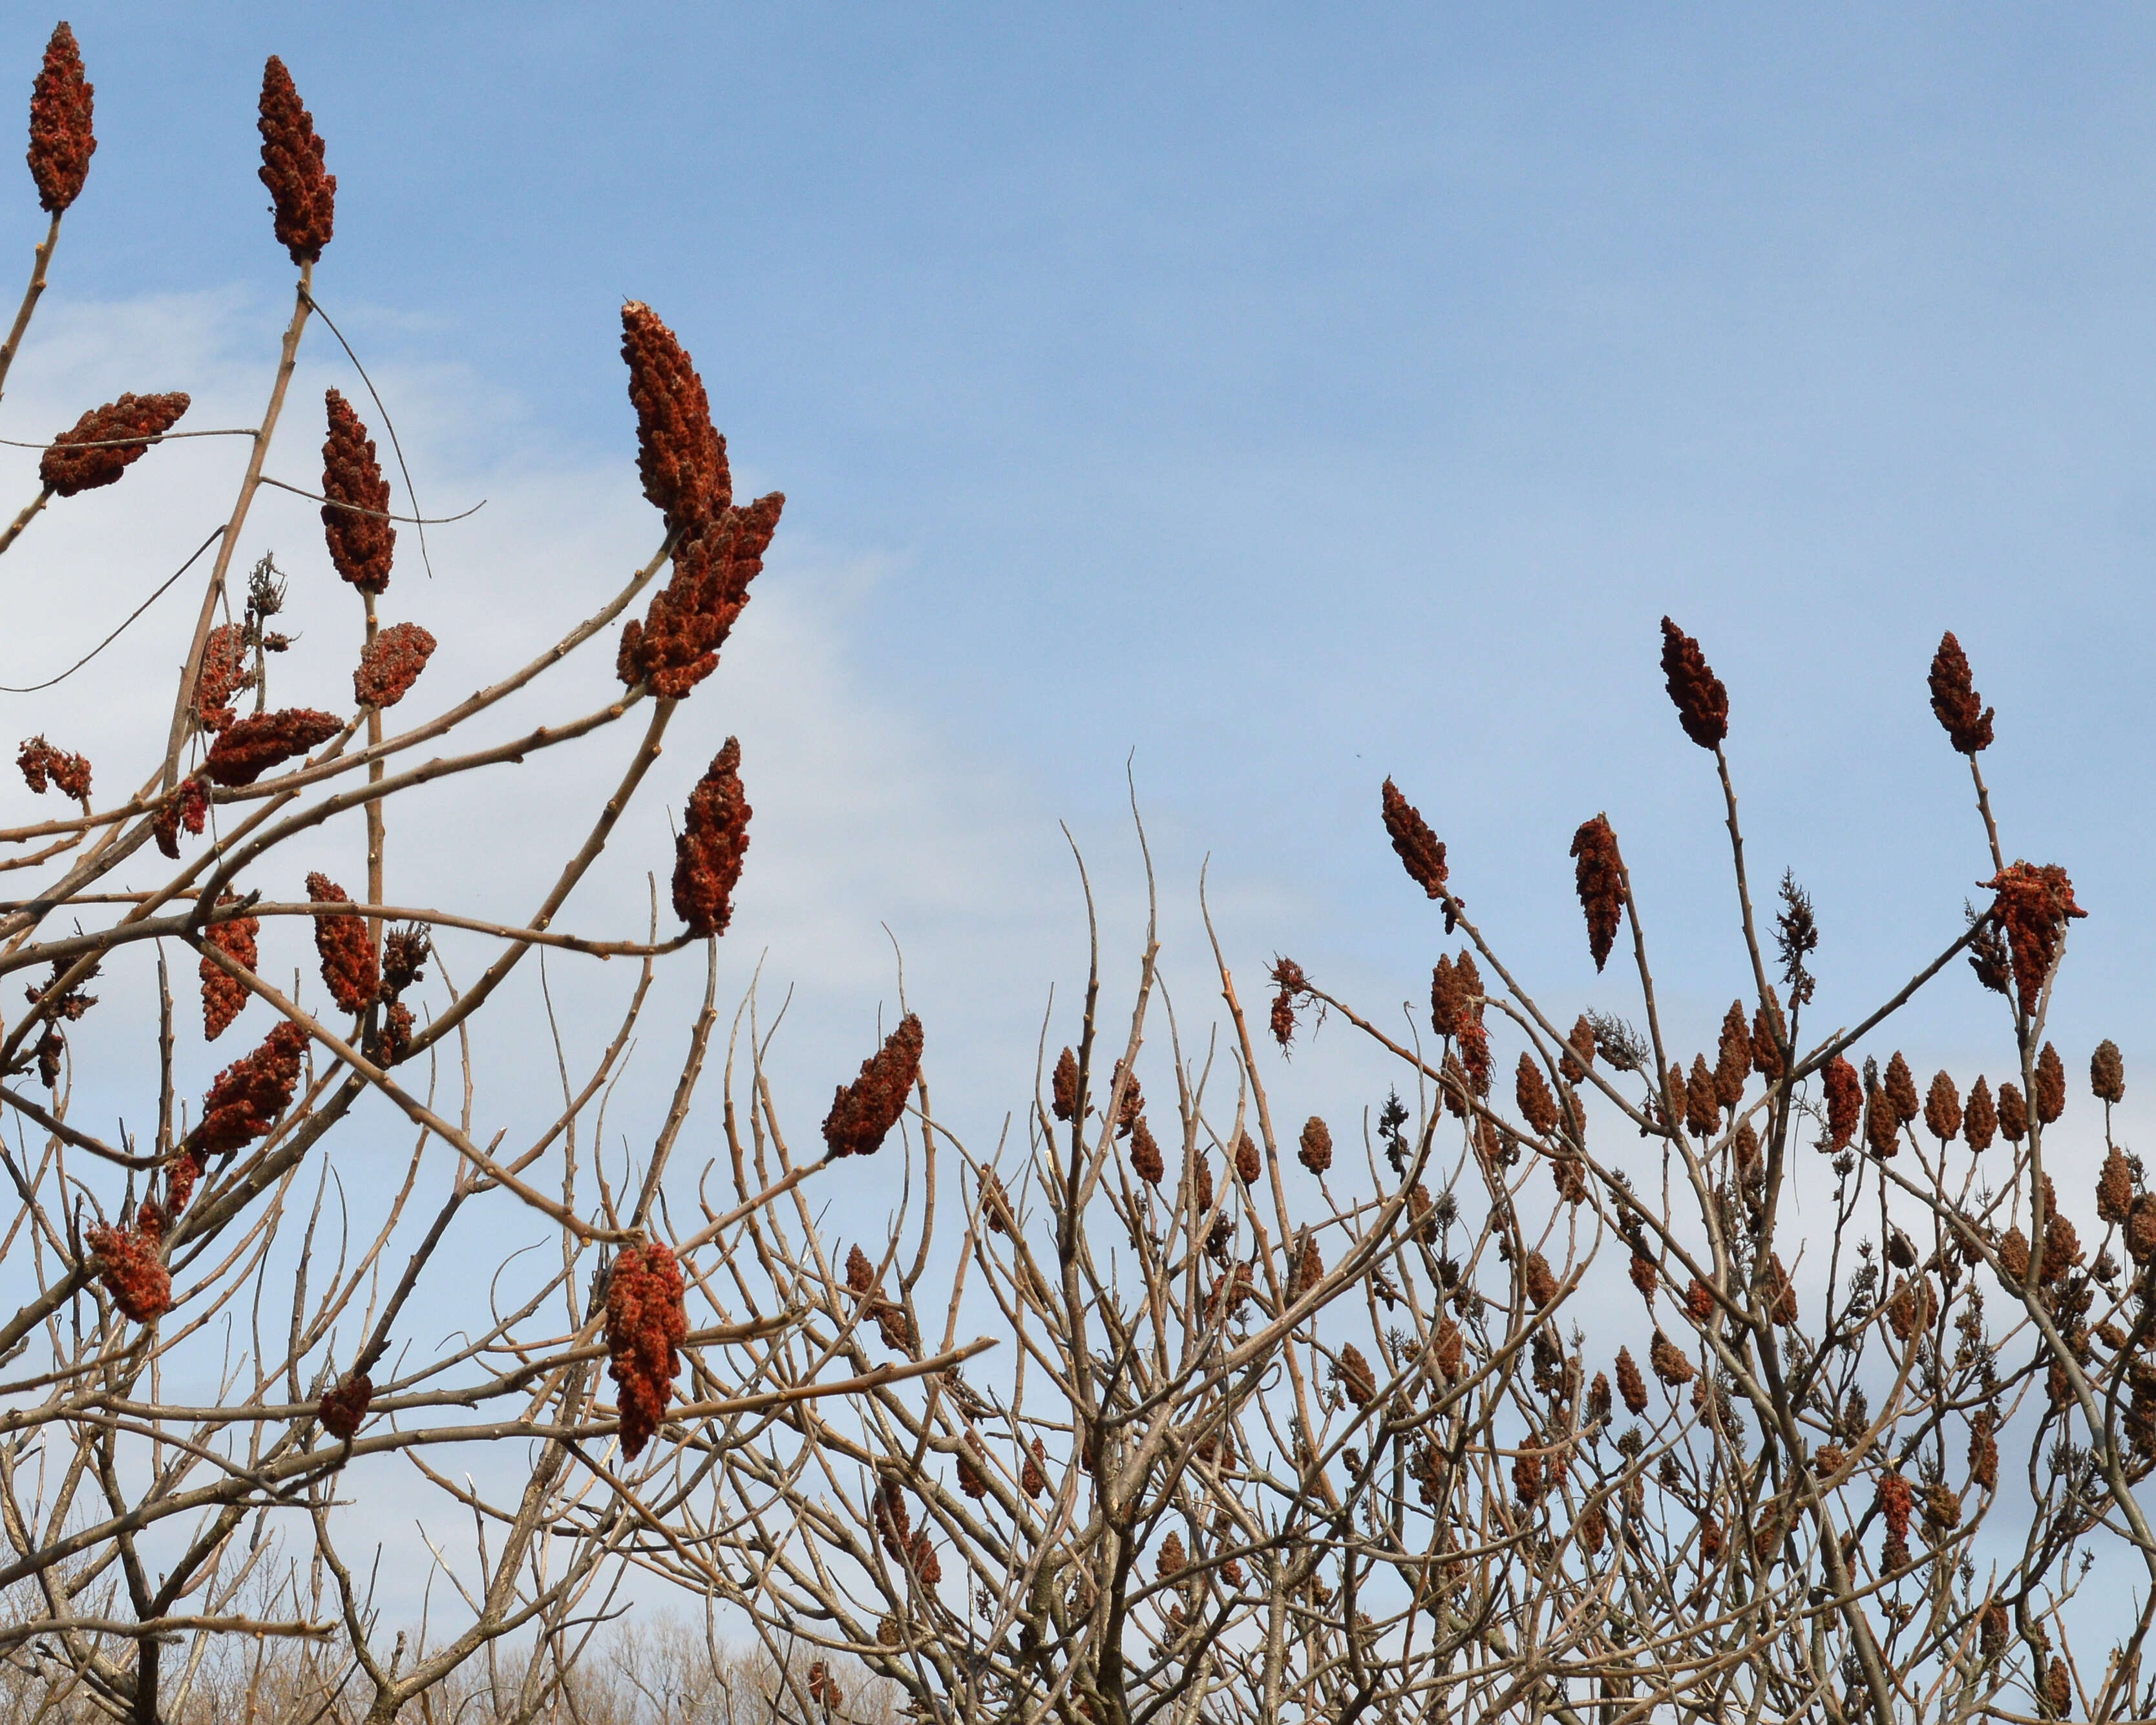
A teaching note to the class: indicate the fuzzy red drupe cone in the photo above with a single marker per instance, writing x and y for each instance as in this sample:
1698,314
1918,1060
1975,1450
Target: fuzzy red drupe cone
864,1113
2050,1092
1942,1109
43,764
1538,1106
1631,1385
347,950
1899,1085
1599,878
676,645
2013,1113
391,664
1539,1280
223,995
647,1320
107,441
680,454
362,541
249,747
140,1286
1250,1163
303,196
1702,704
1954,700
1421,852
1979,1120
61,139
345,1406
1702,1104
2114,1188
1844,1102
707,856
180,1181
1733,1060
2034,906
224,672
1882,1131
1314,1152
246,1097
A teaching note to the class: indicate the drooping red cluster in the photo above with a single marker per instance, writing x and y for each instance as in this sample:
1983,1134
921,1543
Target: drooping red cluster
647,1320
1954,700
224,672
61,139
186,805
345,948
303,194
707,856
1844,1102
245,1099
676,644
354,520
345,1406
2034,906
129,1266
223,994
249,747
107,441
43,764
1599,878
680,454
391,665
1421,852
864,1113
1703,703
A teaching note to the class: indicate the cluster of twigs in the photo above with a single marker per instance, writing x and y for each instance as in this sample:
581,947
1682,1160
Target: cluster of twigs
200,1361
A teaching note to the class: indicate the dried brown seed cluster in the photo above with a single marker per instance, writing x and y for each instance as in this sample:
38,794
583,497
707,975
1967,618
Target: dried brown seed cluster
1631,1385
1733,1060
62,140
1147,1162
1314,1152
823,1688
2050,1092
345,1407
391,664
707,856
345,948
1844,1102
1600,878
1669,1361
864,1113
1356,1380
2107,1073
646,1322
1899,1085
129,1266
303,196
107,441
680,454
223,994
2013,1114
1539,1280
1702,1104
676,644
2114,1188
1249,1164
249,747
1420,851
43,764
1702,704
1063,1086
1883,1126
2033,904
1954,700
1456,1013
245,1099
1289,984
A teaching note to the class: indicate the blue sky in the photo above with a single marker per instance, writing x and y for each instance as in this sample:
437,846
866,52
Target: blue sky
1295,396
